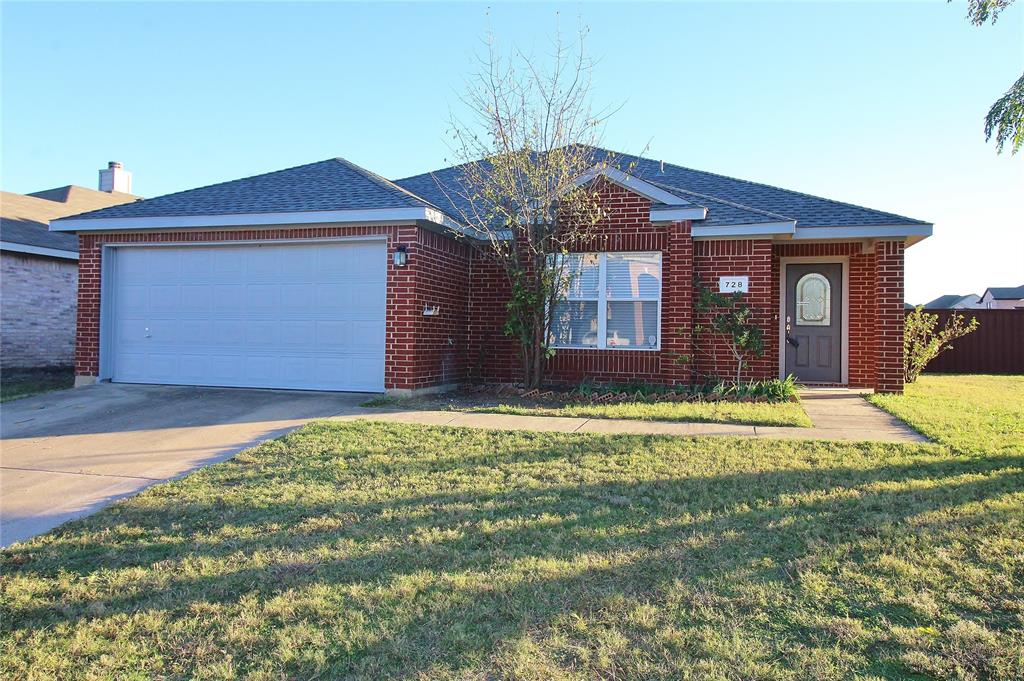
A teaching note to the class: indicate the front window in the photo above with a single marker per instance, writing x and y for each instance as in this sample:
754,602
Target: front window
609,301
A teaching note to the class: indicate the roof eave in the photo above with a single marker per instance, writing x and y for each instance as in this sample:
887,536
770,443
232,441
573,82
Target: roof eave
910,233
675,214
357,216
745,231
31,249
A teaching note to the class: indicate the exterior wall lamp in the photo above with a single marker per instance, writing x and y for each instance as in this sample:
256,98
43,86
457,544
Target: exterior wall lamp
400,257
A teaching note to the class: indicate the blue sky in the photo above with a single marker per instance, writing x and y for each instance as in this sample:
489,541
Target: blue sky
875,103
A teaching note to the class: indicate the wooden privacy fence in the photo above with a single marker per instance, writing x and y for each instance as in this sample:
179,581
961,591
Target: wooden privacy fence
996,347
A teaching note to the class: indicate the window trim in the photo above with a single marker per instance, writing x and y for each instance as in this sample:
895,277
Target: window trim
603,300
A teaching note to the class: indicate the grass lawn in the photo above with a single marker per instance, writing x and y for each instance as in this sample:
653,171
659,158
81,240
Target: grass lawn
753,413
363,550
973,414
16,383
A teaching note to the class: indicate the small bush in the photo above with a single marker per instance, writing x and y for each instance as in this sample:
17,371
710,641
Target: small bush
922,342
771,390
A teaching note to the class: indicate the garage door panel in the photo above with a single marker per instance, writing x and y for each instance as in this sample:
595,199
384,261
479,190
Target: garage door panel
165,298
263,264
261,370
196,298
133,298
333,297
262,299
130,331
227,333
262,334
227,269
297,298
161,365
163,265
227,297
298,334
291,316
295,265
225,369
197,267
194,367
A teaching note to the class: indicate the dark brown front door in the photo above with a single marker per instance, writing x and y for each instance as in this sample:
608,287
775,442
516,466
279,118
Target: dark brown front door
813,324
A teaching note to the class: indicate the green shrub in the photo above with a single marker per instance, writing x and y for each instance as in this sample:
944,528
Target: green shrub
771,390
922,342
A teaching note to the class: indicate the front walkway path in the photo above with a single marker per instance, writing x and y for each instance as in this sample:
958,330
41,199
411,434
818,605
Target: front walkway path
836,415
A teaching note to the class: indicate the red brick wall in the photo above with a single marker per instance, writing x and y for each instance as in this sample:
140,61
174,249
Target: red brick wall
876,308
740,257
417,353
627,227
466,340
861,294
440,269
889,316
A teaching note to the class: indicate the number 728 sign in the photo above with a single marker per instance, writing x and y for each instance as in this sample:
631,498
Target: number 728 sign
733,284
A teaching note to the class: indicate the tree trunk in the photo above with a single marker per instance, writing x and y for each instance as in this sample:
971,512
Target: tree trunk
538,348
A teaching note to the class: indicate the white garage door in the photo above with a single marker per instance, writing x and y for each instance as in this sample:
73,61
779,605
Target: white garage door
307,316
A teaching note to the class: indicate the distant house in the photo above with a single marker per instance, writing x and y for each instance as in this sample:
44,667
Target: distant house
1002,298
954,301
39,269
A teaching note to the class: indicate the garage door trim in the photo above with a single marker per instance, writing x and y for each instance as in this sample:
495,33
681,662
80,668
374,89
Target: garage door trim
108,274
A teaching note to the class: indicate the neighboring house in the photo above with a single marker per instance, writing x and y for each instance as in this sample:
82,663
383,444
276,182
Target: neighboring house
39,272
953,302
329,277
1002,298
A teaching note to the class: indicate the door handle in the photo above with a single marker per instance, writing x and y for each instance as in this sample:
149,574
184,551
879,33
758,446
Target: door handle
792,341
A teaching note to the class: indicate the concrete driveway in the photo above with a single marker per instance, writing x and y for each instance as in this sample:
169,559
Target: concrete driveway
67,454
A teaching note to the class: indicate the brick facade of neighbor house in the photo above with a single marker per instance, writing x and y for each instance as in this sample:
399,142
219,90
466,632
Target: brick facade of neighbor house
417,349
38,314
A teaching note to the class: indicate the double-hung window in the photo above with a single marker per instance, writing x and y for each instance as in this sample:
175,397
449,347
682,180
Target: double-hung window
609,301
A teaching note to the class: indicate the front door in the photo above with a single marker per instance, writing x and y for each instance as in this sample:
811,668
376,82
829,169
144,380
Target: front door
813,324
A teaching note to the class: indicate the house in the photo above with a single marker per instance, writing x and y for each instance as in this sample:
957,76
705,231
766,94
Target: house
1002,298
329,277
39,270
953,301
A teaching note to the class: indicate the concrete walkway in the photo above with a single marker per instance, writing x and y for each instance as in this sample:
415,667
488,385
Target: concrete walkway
836,415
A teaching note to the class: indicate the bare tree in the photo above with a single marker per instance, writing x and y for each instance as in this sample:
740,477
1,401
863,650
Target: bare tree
528,151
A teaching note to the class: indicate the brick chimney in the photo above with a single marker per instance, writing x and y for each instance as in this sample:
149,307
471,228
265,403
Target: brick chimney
114,178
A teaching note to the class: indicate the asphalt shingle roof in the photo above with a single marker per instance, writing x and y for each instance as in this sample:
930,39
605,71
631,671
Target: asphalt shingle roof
949,300
334,184
807,210
25,218
729,200
722,212
1006,292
